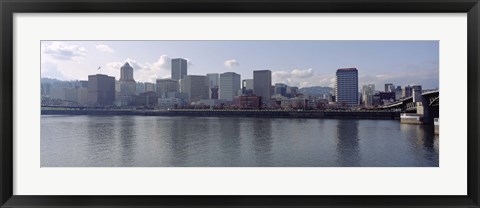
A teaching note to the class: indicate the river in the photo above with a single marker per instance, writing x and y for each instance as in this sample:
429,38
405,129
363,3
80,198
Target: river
157,141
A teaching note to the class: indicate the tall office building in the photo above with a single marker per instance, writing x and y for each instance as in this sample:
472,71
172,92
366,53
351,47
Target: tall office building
229,85
101,90
165,86
417,93
346,87
281,89
179,68
367,94
126,82
213,85
389,88
262,83
398,93
195,86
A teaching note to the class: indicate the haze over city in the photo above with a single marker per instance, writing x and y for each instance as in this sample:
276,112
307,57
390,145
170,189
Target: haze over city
295,63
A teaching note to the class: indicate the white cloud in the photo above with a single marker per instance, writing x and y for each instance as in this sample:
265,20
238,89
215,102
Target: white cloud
143,72
104,48
231,63
302,73
300,78
62,51
50,70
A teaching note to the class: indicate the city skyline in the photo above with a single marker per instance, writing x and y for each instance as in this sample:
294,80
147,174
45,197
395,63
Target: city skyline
407,62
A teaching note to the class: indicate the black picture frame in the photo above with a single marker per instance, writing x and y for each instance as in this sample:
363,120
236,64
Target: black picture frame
9,7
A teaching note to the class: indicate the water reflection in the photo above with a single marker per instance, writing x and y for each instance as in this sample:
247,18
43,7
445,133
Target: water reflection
101,141
348,143
230,141
127,145
262,141
136,141
178,142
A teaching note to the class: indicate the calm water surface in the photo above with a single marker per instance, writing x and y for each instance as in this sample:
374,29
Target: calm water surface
140,141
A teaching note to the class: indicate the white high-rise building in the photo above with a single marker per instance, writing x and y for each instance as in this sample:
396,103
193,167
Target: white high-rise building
367,94
346,86
229,85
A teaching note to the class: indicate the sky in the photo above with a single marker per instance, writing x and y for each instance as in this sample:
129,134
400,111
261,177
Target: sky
301,63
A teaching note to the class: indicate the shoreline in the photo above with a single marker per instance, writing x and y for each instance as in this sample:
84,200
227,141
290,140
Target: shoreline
385,115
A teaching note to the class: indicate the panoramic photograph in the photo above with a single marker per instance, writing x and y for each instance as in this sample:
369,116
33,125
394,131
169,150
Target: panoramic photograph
239,103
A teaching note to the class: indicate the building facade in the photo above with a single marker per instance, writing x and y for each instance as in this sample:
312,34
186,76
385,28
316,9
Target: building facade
101,90
213,85
346,86
262,83
229,85
179,68
127,82
367,94
195,87
165,86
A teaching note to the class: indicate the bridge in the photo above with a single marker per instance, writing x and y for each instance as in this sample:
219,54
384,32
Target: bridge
427,105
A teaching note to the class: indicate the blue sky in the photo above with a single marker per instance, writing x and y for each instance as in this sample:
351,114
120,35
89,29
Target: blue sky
299,63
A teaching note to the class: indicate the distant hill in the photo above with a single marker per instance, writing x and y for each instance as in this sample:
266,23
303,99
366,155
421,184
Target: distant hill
316,90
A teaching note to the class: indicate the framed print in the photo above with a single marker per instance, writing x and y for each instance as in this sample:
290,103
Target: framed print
214,103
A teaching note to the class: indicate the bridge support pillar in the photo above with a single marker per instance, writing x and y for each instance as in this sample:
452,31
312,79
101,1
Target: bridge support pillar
427,114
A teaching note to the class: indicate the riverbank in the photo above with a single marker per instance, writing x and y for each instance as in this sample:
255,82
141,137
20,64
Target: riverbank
231,113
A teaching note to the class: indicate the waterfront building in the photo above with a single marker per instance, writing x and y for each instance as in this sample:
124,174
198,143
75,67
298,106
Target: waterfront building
389,88
101,90
195,86
294,103
383,98
213,103
127,86
172,102
229,85
281,89
346,91
148,99
140,88
127,82
165,86
398,93
262,82
247,87
249,102
179,68
292,92
213,84
367,94
417,93
407,91
150,87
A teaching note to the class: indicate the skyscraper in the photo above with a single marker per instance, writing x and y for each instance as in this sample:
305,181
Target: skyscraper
367,94
229,85
126,72
101,90
195,86
389,88
126,82
262,82
281,89
346,91
165,86
179,68
213,84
